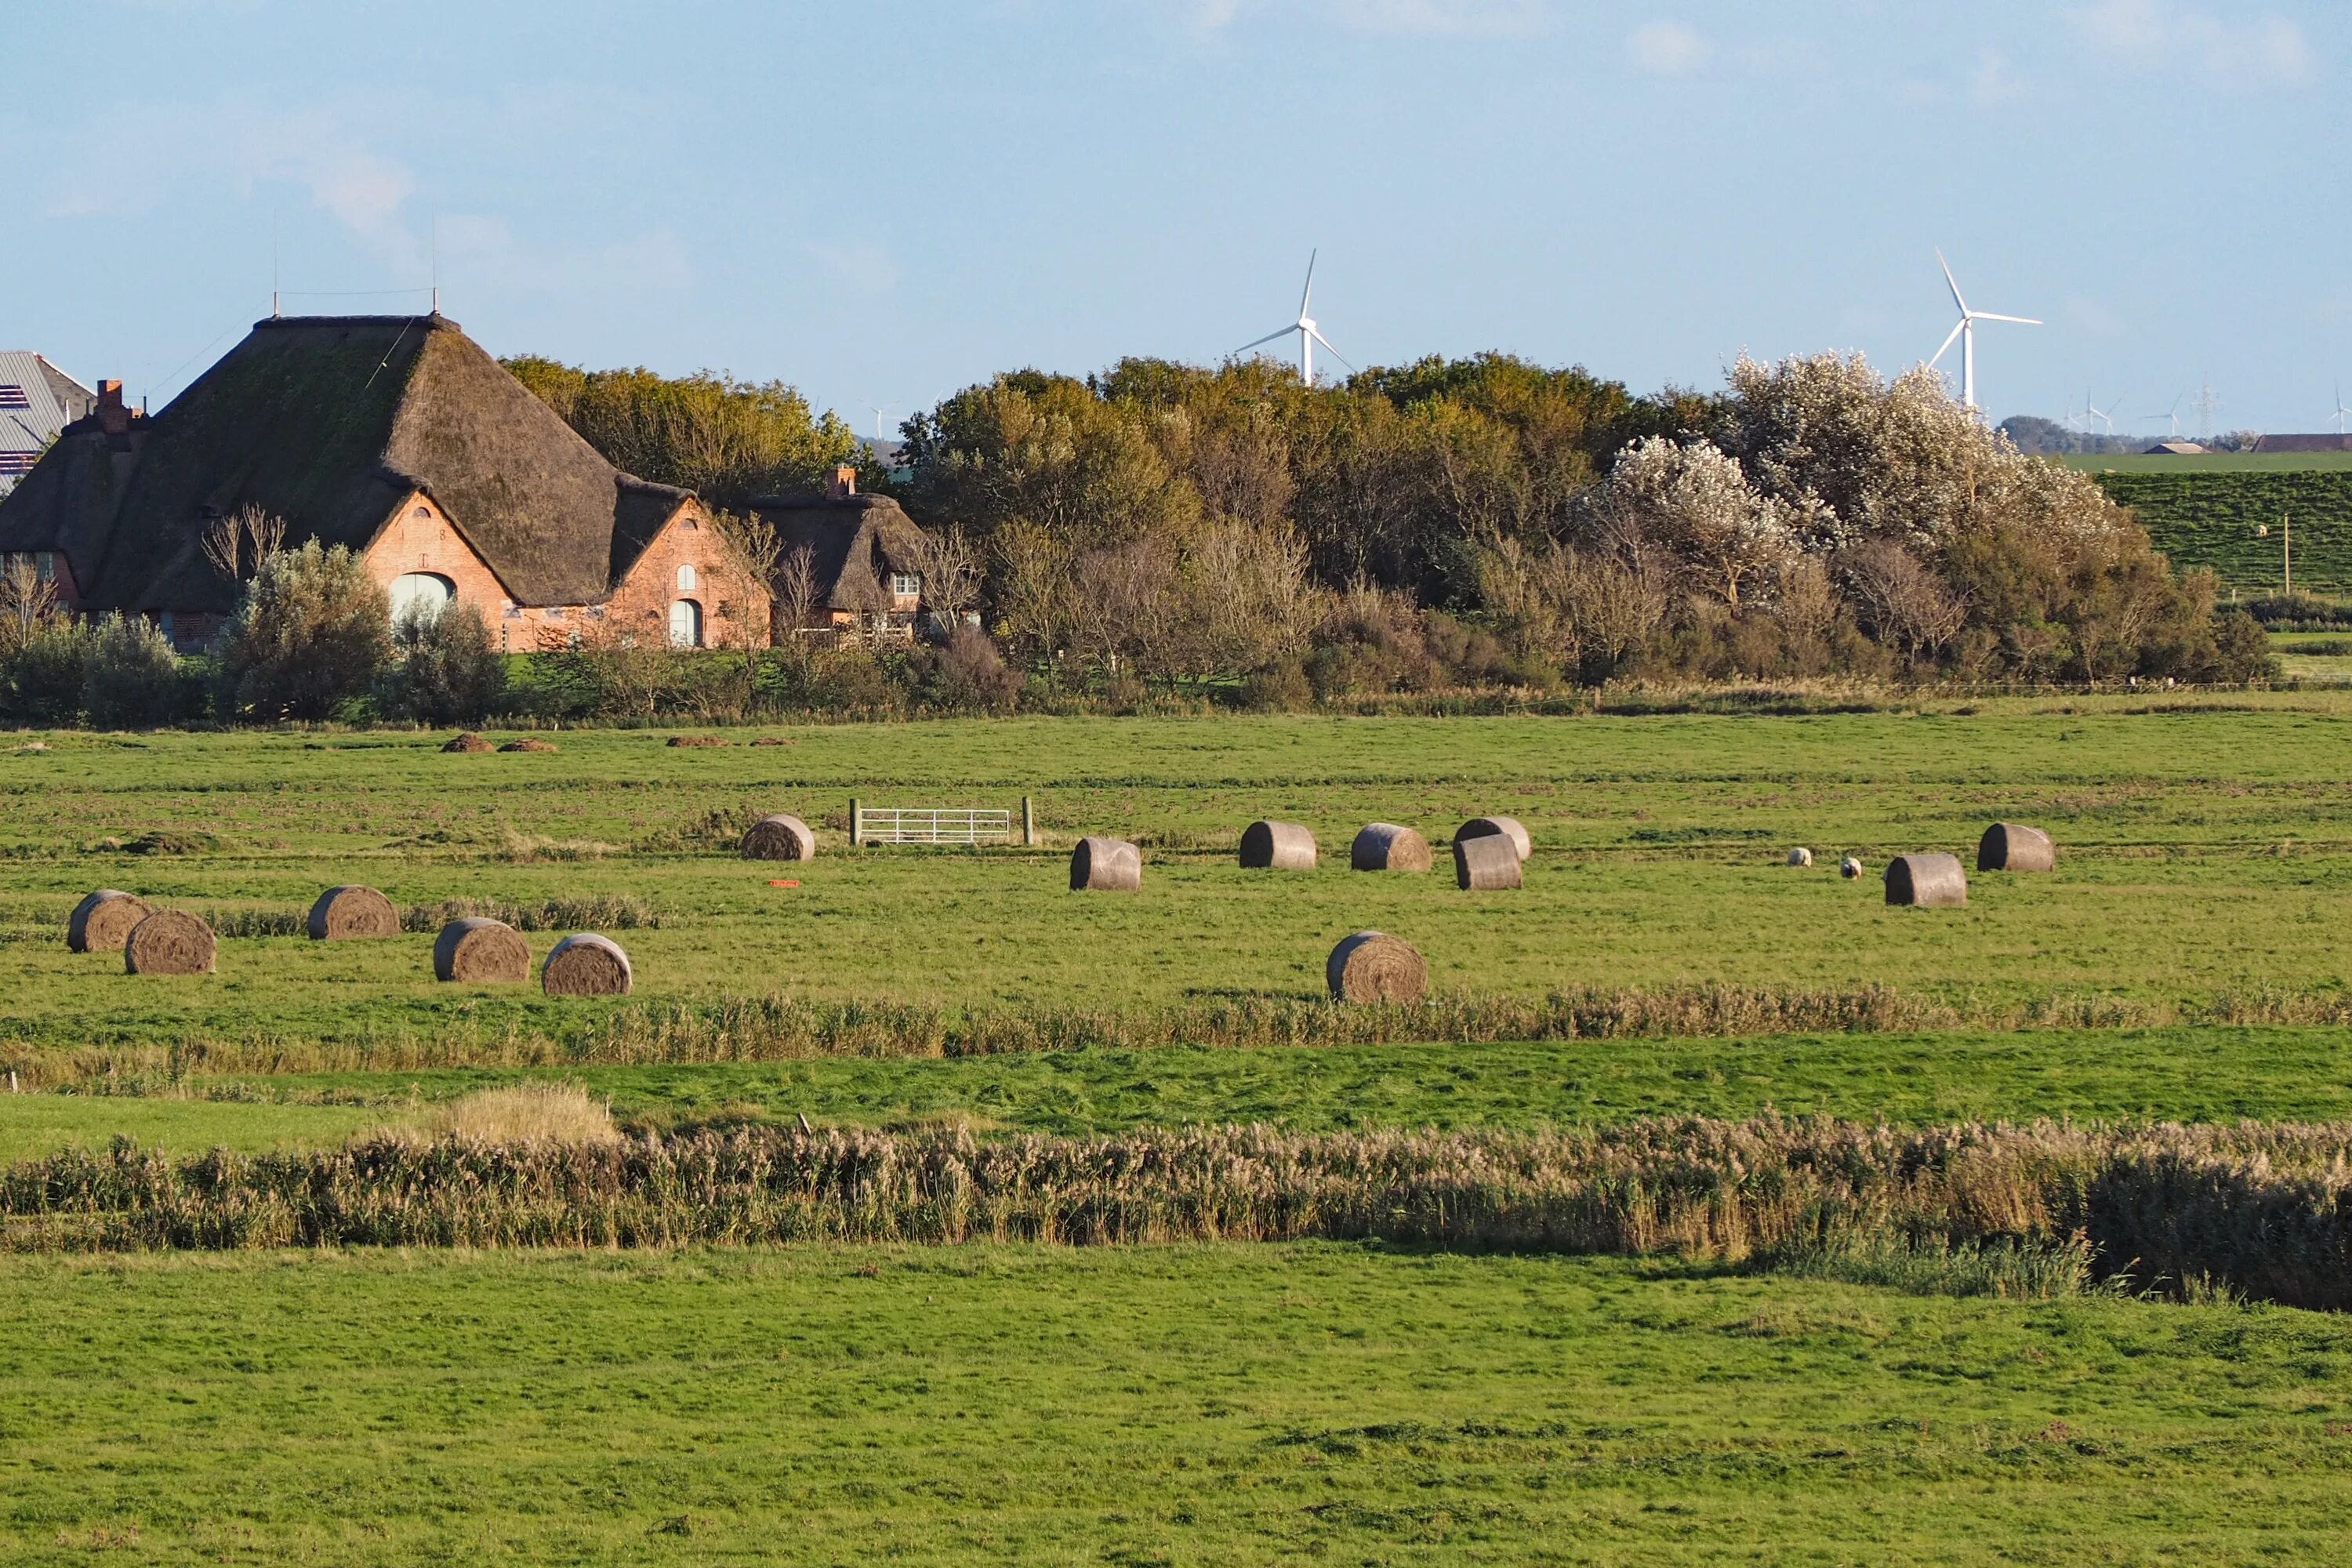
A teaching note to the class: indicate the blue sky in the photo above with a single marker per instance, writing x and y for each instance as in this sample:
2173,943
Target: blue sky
884,201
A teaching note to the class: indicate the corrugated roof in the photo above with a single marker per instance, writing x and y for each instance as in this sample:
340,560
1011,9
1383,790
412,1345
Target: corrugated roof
37,401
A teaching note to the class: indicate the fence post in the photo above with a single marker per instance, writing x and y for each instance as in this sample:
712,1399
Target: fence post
853,824
1028,822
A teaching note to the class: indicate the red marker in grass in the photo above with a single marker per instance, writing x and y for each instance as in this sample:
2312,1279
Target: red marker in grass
782,882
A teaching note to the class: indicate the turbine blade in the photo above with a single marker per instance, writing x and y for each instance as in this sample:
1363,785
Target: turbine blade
2020,321
1308,293
1951,284
1328,348
1958,328
1282,333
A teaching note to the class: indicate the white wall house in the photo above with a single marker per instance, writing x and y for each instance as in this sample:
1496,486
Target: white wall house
37,401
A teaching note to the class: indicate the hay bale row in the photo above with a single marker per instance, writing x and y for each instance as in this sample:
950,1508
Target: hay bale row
1278,847
352,910
1373,966
102,921
169,941
1105,866
1487,864
586,965
1386,846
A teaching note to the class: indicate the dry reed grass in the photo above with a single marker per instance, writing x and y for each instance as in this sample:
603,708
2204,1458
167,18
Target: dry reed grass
2264,1211
560,1114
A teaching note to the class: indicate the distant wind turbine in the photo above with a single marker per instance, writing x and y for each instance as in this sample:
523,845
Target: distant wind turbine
1966,331
1308,336
2106,416
879,412
2172,418
2341,410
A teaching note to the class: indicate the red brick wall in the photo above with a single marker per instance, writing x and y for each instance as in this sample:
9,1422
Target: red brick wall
731,608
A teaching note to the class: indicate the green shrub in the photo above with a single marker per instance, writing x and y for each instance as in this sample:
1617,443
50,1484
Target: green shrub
312,632
447,672
130,677
42,680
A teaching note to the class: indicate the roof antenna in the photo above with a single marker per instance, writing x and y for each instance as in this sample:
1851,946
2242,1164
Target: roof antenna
437,263
273,265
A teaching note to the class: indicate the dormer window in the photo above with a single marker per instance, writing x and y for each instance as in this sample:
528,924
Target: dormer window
906,584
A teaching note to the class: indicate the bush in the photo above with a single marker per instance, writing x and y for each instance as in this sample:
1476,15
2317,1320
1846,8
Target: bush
130,677
311,632
448,673
1278,688
2243,652
43,680
965,675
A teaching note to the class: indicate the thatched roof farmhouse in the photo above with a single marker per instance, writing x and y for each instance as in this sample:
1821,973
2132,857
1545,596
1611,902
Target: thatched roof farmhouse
864,551
401,438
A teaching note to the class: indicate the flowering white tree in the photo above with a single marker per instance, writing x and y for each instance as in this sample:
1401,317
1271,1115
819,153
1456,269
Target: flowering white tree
1695,503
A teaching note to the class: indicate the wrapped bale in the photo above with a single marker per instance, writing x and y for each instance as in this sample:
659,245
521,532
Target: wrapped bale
353,911
1486,864
1373,966
469,741
1278,847
1926,882
1385,846
169,941
779,837
102,921
1800,857
1509,827
1106,865
585,965
1850,867
2014,846
477,951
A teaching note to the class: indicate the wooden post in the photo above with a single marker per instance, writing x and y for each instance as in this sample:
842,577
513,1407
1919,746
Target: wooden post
2286,550
1028,822
856,826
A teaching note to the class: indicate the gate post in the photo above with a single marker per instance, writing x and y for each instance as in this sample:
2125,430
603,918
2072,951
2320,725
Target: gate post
1028,822
855,826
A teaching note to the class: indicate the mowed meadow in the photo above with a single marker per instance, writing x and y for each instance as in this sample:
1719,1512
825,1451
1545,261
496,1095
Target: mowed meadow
1711,1210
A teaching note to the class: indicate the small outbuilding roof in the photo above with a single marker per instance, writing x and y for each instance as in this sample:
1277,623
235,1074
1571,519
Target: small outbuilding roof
37,401
2324,441
853,540
331,421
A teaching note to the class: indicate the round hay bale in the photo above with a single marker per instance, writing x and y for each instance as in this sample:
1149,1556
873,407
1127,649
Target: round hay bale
469,741
1926,882
169,941
1485,863
352,910
780,837
529,743
1105,866
1850,867
585,965
1801,856
2014,846
1509,827
477,951
1385,846
1373,966
1278,847
102,921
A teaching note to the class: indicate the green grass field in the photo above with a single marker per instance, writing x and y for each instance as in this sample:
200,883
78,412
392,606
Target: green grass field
1206,1405
1214,1404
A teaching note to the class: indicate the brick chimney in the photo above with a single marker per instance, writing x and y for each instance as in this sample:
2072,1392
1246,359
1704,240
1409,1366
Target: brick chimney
112,417
845,482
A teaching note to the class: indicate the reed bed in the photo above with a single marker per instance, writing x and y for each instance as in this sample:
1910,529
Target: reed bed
594,911
786,1028
2259,1209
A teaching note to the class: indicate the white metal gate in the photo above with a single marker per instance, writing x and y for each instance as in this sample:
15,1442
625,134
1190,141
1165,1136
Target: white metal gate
929,825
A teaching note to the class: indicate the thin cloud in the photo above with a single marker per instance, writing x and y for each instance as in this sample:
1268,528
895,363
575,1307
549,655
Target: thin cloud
1453,18
1666,48
2155,34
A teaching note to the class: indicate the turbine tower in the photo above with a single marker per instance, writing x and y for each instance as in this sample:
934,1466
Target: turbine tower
2106,416
2341,410
1966,331
2172,418
1308,336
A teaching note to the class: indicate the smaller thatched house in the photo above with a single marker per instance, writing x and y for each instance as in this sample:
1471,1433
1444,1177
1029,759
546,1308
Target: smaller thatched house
865,556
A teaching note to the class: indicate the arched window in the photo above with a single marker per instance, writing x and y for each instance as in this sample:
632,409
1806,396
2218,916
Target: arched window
684,624
685,582
424,594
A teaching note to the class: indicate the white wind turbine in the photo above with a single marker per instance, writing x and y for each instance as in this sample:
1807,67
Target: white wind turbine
2341,410
1308,336
1966,331
2172,418
2106,416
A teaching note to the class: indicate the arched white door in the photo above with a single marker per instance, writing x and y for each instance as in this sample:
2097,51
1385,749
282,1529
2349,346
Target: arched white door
684,624
424,594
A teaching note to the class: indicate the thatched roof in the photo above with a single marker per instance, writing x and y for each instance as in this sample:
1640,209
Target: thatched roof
330,422
854,541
